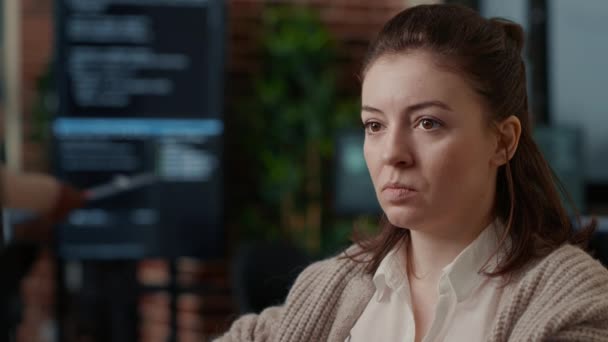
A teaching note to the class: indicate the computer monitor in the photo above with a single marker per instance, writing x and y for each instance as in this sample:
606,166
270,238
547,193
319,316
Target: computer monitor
353,193
140,126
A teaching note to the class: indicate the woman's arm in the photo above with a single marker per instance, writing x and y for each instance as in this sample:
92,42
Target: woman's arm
254,327
562,298
322,305
32,191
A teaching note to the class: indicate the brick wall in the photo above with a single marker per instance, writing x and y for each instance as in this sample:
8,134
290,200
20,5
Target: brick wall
37,42
352,22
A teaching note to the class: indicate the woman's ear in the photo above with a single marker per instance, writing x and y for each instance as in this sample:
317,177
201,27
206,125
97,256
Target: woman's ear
508,132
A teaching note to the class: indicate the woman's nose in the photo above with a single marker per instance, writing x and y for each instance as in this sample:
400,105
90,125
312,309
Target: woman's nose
397,149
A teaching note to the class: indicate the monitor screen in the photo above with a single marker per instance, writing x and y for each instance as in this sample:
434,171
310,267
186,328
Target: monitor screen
139,126
354,193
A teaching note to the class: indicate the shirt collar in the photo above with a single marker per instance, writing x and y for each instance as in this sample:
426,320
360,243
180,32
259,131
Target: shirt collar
462,274
390,275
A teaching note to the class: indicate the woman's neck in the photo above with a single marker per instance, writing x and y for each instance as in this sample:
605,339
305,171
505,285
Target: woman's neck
428,254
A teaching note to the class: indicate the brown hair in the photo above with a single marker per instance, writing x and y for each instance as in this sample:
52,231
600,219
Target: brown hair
487,53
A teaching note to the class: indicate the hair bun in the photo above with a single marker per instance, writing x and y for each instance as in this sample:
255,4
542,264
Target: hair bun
513,32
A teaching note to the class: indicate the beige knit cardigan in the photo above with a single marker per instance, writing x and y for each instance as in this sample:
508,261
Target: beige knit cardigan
562,297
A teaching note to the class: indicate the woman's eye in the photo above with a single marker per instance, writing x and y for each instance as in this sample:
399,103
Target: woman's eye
429,124
373,127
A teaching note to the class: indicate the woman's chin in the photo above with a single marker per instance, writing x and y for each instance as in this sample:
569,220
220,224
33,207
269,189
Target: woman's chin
403,218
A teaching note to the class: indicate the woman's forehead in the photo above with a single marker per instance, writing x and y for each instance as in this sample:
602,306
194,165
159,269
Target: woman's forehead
402,79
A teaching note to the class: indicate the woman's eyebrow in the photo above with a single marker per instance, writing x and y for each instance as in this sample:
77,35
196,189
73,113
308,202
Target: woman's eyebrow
412,108
371,109
426,104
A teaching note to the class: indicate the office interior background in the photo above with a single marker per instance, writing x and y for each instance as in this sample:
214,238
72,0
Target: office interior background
197,154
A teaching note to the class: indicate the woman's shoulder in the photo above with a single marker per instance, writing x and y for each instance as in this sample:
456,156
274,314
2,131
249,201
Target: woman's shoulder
560,296
571,259
338,268
568,269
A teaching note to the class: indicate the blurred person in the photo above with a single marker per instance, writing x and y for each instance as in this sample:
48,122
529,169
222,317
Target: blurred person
27,265
475,244
42,200
33,191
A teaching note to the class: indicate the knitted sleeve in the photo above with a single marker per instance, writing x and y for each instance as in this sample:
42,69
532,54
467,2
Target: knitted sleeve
582,332
270,324
254,327
562,298
309,312
314,299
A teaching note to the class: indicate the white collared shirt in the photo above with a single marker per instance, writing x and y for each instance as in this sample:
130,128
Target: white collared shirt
467,303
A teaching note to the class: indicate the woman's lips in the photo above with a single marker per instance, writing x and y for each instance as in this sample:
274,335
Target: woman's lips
398,194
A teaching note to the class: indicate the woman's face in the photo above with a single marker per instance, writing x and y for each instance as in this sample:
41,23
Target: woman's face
428,147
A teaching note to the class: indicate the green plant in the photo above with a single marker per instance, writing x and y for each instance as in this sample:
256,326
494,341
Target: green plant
288,126
42,109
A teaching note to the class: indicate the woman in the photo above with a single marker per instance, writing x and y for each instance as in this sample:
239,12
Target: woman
476,245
